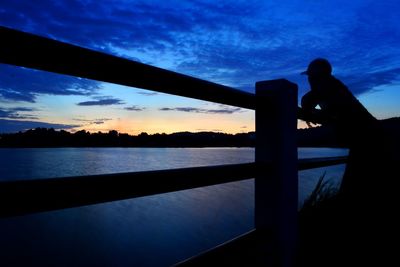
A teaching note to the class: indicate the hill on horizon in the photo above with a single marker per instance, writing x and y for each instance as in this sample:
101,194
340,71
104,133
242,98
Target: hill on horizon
321,136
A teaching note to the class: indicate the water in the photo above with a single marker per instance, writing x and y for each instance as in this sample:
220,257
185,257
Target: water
149,231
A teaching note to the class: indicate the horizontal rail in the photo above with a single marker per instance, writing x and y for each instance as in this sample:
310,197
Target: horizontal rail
33,51
30,196
310,163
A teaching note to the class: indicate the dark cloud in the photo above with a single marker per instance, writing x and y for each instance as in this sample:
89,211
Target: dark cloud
208,130
12,94
12,126
102,102
235,43
103,25
147,93
166,109
132,26
92,121
134,108
21,84
224,111
201,110
24,109
362,82
4,113
14,113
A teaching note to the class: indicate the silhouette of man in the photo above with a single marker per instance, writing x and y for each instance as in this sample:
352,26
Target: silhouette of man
338,106
366,193
354,126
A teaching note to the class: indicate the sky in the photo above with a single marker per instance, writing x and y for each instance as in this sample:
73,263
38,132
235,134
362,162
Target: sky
234,43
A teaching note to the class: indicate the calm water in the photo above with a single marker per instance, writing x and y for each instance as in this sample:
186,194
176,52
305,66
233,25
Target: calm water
150,231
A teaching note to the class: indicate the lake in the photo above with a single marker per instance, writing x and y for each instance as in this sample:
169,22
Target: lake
157,230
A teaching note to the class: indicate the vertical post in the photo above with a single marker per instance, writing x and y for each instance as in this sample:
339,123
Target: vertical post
276,183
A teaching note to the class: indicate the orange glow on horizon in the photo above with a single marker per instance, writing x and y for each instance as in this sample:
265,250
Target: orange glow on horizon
168,126
172,125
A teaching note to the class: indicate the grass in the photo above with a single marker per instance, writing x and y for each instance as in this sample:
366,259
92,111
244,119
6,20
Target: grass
319,223
350,229
324,191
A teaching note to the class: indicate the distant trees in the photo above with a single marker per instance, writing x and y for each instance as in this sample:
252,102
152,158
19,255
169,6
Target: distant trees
44,137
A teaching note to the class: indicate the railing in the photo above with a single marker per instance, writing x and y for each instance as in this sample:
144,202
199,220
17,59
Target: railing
275,168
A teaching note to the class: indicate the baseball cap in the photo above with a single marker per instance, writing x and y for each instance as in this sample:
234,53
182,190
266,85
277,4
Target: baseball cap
318,66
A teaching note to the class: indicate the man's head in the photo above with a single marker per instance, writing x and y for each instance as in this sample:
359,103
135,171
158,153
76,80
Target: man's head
319,67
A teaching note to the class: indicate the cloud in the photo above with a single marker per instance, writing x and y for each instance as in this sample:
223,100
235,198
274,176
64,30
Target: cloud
224,111
102,102
21,84
135,108
12,126
208,130
201,110
121,24
148,93
182,34
235,43
166,109
14,113
359,84
93,121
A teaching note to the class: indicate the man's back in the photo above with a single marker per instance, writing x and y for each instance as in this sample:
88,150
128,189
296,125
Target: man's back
363,216
339,104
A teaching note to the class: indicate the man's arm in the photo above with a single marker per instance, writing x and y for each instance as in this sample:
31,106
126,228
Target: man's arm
308,103
315,117
309,113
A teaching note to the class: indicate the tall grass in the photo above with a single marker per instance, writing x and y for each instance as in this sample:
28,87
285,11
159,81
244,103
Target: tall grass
318,226
323,191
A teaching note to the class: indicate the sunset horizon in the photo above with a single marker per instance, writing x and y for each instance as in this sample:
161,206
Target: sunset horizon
240,50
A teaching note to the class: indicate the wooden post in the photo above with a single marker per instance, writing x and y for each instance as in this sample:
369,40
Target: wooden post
276,182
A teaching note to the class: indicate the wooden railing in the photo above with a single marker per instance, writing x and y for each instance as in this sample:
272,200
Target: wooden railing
275,168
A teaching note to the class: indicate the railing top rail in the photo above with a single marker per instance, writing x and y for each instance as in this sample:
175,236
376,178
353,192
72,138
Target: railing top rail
33,51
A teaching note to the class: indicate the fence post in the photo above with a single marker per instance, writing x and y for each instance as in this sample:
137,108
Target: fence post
276,182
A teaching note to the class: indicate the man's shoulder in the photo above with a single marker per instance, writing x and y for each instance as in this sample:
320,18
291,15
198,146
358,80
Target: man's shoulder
337,82
338,87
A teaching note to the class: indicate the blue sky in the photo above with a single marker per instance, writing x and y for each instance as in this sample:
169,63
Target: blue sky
235,43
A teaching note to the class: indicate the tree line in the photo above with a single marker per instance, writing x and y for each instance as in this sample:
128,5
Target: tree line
49,137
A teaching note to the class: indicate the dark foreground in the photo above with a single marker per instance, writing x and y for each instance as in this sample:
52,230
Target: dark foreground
333,233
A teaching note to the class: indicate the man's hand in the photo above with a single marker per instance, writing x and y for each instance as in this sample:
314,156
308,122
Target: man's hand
309,124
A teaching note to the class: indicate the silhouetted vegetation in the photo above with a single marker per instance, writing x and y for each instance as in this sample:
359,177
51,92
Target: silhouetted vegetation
43,137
